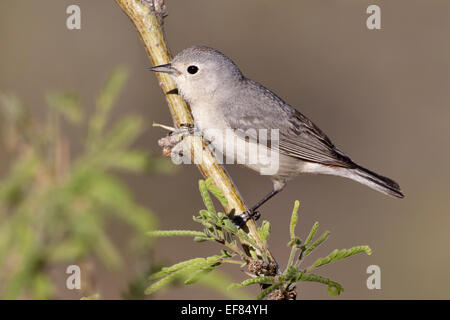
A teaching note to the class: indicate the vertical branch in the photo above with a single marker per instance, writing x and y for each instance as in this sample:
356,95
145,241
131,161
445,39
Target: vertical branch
147,16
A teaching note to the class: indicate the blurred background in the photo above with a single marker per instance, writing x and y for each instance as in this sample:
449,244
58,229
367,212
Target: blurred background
82,178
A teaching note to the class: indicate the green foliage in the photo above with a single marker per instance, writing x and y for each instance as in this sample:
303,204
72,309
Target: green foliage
312,233
264,230
218,227
317,243
92,297
334,288
340,254
293,273
257,280
219,282
215,190
181,265
294,219
67,104
176,233
189,269
54,207
206,198
264,293
293,224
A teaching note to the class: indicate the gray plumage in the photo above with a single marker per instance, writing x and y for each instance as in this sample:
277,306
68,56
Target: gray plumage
221,97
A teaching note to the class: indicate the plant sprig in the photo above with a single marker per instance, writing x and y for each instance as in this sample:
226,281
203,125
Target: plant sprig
219,228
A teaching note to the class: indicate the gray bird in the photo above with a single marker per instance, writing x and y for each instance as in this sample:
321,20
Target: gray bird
222,98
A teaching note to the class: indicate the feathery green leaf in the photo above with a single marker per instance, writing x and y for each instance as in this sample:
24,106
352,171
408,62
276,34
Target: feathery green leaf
178,266
257,280
205,195
176,233
317,243
334,288
164,281
180,270
312,233
268,290
242,235
264,230
216,192
197,275
188,265
230,226
294,219
340,254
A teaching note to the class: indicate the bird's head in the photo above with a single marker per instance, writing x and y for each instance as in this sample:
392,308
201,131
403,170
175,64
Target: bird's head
202,73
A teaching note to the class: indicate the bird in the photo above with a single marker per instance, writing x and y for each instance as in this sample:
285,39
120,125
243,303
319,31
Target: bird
223,100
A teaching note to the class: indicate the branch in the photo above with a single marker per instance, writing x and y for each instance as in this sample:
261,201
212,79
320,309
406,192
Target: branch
147,16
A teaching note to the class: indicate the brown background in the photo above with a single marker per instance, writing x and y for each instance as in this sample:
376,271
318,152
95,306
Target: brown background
382,96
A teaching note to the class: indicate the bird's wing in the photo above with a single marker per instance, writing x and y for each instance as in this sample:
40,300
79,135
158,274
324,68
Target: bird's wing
299,137
304,140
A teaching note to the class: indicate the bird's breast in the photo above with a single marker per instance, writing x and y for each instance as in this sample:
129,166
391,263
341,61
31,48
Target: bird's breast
207,117
211,123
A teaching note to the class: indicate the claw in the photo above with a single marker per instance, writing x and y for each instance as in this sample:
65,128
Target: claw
240,220
256,215
187,125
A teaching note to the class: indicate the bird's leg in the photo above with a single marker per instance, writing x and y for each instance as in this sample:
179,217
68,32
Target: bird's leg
252,213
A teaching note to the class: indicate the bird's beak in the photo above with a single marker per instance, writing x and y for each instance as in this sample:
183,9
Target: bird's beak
165,68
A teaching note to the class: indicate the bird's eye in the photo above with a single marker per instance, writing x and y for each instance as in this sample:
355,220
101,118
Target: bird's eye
192,69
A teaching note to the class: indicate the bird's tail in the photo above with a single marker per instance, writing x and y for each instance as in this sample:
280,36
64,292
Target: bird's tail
375,181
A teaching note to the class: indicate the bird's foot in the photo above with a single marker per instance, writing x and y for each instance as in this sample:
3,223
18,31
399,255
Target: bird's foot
241,220
172,142
188,129
187,125
185,129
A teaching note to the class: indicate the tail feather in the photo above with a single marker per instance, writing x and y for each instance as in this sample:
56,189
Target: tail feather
376,181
